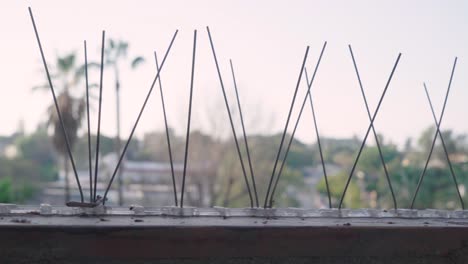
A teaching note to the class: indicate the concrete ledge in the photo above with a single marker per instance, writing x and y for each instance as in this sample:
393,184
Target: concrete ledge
220,235
44,209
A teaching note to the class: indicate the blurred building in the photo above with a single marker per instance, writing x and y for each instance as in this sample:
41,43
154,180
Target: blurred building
144,182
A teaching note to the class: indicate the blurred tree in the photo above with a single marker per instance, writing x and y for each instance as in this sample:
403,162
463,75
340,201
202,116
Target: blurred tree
369,187
106,146
116,52
18,179
153,146
232,190
438,189
67,74
337,184
6,193
38,148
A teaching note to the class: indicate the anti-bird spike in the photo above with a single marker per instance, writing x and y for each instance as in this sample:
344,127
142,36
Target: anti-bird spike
189,118
230,118
245,135
138,118
452,171
168,138
376,137
368,131
265,205
309,85
57,108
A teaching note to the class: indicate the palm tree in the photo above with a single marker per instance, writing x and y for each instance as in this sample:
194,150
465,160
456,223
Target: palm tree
115,53
67,75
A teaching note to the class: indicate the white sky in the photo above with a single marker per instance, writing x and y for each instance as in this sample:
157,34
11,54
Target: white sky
266,40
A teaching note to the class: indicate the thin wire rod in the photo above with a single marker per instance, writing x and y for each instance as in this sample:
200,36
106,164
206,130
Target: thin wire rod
319,144
265,205
167,132
452,172
245,135
138,119
192,75
59,114
368,131
377,141
98,139
230,119
89,127
423,173
309,85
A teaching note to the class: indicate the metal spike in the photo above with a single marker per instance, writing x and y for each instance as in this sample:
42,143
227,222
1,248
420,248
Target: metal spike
230,119
319,143
167,132
189,118
245,135
89,127
435,136
309,85
373,129
138,119
265,205
67,141
98,139
423,173
452,172
368,131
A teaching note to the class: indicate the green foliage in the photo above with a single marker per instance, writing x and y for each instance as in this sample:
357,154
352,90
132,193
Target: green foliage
292,181
15,192
117,51
370,160
437,190
339,151
6,193
300,155
337,183
137,61
38,149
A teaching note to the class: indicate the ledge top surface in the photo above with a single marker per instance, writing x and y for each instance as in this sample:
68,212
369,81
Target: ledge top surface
138,216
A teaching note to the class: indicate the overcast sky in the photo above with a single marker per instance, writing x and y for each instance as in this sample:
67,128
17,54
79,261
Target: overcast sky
266,41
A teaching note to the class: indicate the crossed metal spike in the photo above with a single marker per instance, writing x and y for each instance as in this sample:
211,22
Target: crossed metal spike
139,115
438,123
309,85
373,129
368,131
267,200
452,172
94,198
